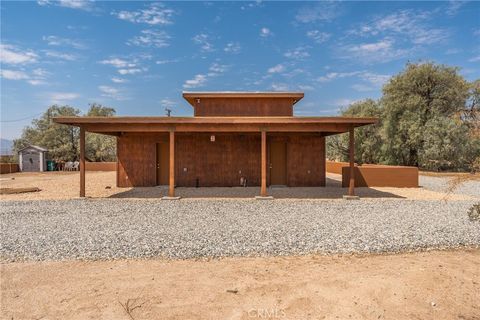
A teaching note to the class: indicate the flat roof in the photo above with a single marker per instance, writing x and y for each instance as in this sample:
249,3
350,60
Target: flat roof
112,125
190,96
214,120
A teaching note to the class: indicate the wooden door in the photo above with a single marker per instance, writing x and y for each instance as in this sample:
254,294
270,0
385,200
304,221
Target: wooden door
163,158
278,163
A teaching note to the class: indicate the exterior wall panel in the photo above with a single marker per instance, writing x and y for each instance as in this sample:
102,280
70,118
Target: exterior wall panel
219,163
228,107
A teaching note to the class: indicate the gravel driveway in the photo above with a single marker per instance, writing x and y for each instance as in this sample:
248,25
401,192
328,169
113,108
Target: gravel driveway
114,228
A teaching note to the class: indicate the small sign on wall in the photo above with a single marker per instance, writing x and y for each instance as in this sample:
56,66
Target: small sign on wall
212,138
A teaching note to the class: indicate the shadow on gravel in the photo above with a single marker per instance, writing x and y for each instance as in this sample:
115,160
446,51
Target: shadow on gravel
329,192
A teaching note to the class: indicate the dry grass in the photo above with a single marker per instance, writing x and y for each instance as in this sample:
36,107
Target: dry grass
131,304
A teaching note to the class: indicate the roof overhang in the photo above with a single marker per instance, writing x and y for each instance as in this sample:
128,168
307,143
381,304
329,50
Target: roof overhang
190,96
112,125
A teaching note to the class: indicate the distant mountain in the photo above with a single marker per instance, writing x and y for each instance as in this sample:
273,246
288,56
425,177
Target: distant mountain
6,147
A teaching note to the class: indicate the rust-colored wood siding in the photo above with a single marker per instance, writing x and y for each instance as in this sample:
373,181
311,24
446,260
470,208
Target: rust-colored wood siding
219,163
306,161
218,107
136,155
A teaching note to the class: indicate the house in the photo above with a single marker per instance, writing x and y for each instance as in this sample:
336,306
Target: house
233,139
32,159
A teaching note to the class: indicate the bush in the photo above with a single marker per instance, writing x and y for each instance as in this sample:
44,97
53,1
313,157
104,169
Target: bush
474,212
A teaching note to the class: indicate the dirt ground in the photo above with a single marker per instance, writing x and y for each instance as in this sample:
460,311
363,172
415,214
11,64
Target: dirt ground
425,285
65,185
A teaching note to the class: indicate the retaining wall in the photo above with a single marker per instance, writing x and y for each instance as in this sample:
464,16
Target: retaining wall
382,176
100,166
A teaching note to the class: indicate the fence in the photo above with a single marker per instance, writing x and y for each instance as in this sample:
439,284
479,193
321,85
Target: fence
9,168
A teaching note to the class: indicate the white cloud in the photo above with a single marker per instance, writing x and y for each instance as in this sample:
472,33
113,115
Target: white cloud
344,102
150,38
118,63
58,41
36,82
37,76
124,66
167,103
154,14
403,25
13,74
277,69
60,55
10,54
232,47
216,69
321,12
279,87
200,80
204,41
166,61
61,97
362,87
454,6
298,53
336,75
474,59
375,79
318,36
372,80
305,87
373,52
111,92
130,71
265,32
72,4
119,80
197,81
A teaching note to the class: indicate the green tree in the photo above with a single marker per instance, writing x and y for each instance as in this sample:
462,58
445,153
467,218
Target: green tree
422,95
60,140
100,147
367,139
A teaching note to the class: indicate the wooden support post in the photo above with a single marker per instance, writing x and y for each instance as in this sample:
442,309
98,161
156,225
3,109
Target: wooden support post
82,162
171,187
351,186
263,191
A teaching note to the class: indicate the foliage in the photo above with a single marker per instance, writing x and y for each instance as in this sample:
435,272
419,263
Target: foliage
428,117
474,212
62,141
100,147
367,151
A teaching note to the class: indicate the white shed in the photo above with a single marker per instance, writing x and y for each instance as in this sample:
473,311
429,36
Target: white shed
32,159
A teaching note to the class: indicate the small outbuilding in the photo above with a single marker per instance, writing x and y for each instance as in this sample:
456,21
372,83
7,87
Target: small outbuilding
32,159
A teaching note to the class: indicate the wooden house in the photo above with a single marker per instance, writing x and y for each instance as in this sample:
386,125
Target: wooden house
233,139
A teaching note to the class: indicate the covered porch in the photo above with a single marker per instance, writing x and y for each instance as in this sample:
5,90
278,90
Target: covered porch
172,129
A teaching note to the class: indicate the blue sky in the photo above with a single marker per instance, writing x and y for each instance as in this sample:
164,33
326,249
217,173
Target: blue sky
139,56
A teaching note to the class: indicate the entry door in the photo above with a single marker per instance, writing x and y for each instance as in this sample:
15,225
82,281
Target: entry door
30,162
163,158
278,163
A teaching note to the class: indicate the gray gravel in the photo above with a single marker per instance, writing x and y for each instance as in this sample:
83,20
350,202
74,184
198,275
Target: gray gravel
440,184
113,228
